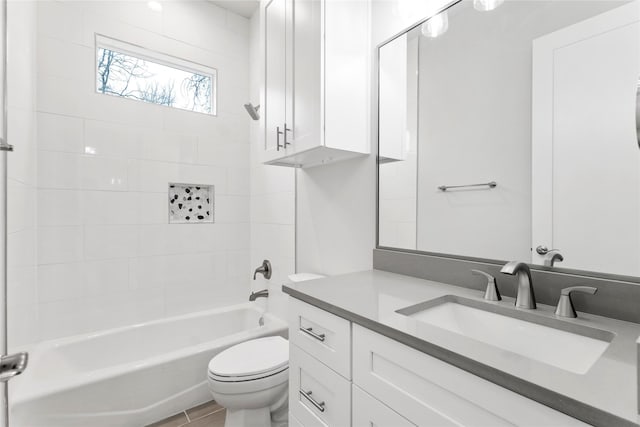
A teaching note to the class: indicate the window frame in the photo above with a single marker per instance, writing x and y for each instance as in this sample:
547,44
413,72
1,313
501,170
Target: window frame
154,56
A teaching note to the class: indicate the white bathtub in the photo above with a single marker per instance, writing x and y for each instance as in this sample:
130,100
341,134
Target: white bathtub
130,376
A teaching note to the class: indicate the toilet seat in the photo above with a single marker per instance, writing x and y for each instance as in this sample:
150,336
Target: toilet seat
240,386
245,378
250,360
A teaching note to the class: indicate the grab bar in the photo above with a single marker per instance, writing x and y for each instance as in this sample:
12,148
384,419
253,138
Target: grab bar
491,184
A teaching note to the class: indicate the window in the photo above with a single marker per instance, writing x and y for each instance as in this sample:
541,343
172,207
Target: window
129,71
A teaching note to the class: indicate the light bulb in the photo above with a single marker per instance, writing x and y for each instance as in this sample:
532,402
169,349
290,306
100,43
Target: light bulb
486,5
436,25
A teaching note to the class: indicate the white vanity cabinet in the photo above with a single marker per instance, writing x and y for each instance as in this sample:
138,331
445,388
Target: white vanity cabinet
368,411
427,391
316,74
319,367
343,374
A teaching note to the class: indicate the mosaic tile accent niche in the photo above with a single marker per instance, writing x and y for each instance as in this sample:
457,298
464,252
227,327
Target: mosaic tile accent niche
190,203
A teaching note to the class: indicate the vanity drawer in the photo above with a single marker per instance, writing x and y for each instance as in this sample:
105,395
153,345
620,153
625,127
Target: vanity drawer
428,391
317,395
369,411
326,336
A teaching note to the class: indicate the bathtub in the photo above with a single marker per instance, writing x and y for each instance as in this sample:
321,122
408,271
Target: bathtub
130,376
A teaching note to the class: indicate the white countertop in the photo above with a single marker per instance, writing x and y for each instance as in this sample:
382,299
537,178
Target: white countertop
371,299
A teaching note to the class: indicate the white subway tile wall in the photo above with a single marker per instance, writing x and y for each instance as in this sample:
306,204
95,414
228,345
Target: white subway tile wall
106,255
22,209
272,202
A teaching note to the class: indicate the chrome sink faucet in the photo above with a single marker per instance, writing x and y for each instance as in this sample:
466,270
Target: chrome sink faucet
525,298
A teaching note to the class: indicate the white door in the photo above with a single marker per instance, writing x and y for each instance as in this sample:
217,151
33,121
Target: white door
586,171
275,76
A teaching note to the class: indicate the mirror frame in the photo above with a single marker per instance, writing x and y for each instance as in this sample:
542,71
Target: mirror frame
375,108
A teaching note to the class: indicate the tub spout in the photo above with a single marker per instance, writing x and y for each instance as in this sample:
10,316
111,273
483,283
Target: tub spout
12,365
260,294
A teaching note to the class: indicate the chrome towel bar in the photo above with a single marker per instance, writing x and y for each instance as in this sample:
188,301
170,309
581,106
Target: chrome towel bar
491,184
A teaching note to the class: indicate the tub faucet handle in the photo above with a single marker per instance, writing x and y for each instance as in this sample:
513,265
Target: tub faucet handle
264,269
491,293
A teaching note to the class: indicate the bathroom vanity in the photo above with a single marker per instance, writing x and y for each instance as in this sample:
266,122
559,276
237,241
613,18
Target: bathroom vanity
377,348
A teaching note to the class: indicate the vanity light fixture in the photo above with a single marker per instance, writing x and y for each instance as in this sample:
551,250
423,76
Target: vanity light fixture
156,6
436,25
486,5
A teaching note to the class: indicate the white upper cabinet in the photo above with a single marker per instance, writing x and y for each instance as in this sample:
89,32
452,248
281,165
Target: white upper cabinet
275,18
316,74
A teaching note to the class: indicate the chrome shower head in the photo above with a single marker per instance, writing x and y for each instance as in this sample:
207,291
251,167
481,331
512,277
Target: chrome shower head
253,111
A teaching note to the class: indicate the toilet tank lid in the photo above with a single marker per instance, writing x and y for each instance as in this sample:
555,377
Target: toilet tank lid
251,357
302,277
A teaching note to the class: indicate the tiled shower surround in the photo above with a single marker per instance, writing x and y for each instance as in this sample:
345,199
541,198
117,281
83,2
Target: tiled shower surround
106,253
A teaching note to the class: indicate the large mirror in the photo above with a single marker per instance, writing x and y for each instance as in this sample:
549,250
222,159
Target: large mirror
507,130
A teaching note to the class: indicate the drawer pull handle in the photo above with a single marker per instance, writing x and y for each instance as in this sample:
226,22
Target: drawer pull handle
307,394
309,331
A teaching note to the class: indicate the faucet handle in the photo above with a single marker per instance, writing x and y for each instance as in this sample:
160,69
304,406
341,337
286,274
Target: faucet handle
491,293
565,305
551,257
265,269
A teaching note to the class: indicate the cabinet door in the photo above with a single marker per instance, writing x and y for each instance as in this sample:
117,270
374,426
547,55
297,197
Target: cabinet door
306,88
346,83
368,411
428,391
275,75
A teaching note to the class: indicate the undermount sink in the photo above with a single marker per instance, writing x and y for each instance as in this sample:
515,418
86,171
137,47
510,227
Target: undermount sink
569,346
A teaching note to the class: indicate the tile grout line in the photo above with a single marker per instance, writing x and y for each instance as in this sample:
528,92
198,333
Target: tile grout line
187,416
206,415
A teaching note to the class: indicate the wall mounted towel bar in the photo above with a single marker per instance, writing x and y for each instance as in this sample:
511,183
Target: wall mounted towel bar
491,184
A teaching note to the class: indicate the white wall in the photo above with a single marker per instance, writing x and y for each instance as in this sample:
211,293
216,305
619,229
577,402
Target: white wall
272,198
336,217
106,255
336,206
22,295
470,134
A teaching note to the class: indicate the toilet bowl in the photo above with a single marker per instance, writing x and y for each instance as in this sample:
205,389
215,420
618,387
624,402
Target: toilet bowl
250,380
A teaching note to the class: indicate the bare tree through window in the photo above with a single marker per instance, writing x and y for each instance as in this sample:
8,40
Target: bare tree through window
127,76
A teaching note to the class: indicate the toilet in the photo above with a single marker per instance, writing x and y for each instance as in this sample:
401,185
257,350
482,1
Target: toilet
250,380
